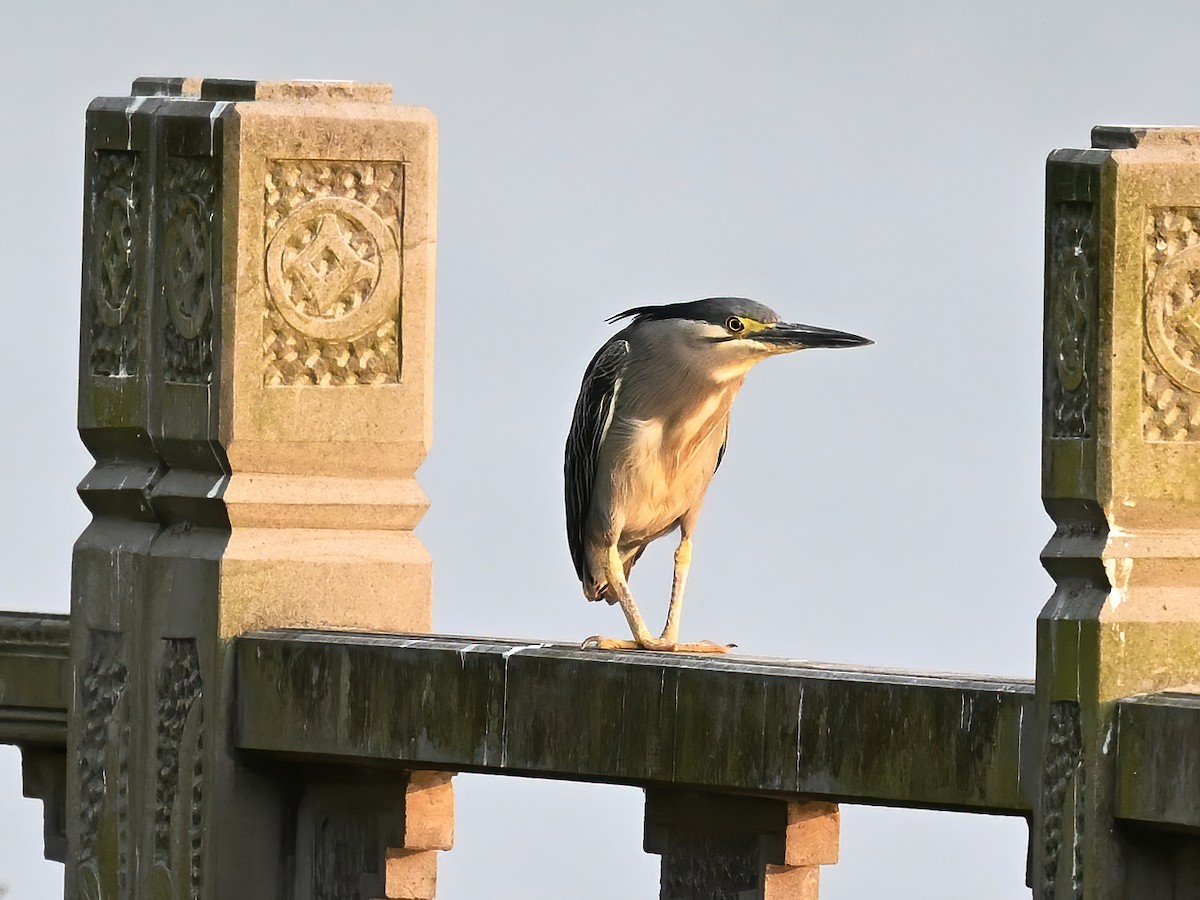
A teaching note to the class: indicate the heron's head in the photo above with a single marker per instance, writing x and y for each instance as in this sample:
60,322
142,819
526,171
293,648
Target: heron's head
731,334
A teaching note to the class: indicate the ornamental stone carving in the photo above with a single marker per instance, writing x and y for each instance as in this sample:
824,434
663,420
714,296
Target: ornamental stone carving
186,262
1171,353
104,747
179,785
1062,794
1073,294
116,211
332,270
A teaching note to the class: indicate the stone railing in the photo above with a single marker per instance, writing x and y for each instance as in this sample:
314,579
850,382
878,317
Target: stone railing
245,701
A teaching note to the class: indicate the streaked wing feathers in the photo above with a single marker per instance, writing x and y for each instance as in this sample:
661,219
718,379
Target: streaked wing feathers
592,411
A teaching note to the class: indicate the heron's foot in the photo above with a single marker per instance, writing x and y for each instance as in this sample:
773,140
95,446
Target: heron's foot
596,642
702,647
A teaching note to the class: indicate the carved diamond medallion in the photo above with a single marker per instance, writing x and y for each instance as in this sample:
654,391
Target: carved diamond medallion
333,271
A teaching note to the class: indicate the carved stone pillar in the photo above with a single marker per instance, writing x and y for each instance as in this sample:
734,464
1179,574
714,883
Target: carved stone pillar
716,847
1121,479
255,385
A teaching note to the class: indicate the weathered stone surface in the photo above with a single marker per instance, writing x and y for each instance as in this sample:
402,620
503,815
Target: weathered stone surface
813,835
35,679
411,875
255,386
792,883
713,846
1157,750
751,848
1121,461
429,811
343,830
765,726
44,777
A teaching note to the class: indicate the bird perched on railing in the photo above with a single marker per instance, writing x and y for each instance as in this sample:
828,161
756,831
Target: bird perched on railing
649,431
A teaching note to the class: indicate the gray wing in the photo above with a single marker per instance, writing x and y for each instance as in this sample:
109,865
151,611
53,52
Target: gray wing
592,411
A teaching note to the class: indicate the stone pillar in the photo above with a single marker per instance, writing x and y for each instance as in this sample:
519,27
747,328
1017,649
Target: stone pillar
373,836
255,385
1121,479
717,847
411,865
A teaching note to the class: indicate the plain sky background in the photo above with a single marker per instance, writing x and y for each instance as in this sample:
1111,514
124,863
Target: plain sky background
866,166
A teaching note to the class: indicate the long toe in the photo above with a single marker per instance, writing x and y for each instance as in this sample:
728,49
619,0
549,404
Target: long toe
703,647
661,645
596,642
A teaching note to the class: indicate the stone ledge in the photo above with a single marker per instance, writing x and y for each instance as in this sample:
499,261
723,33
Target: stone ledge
758,726
35,678
1157,744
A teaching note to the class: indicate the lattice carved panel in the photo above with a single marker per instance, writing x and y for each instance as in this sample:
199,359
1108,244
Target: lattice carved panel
1171,350
333,272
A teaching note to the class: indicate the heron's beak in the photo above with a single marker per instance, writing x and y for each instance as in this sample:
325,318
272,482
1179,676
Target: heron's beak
785,337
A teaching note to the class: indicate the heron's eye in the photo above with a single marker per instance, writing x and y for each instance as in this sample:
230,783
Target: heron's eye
734,324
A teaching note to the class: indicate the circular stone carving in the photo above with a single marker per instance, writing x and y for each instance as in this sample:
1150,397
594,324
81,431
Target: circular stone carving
1173,318
114,255
333,269
187,281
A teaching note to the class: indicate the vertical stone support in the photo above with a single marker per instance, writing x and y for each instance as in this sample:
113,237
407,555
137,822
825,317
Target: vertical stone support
428,827
371,835
43,777
109,589
255,385
33,700
715,846
1121,479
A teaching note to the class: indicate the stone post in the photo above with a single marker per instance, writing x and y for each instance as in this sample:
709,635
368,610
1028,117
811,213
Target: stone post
255,386
1121,479
746,848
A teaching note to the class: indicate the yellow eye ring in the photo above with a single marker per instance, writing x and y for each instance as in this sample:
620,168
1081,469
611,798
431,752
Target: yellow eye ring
734,324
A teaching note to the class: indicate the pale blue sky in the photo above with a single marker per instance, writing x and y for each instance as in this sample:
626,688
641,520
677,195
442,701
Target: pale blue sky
865,166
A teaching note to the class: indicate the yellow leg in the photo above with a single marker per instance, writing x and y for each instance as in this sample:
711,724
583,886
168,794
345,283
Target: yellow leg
614,572
642,639
683,562
670,635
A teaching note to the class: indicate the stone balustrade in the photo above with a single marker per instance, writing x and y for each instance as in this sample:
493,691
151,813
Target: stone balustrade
245,700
